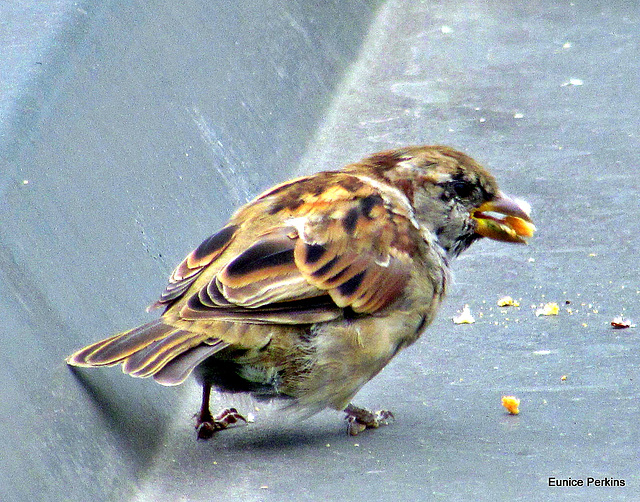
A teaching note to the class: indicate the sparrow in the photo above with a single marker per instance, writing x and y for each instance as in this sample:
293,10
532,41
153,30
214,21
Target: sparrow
314,286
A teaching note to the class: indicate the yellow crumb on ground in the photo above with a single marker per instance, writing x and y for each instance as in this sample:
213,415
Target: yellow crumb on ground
550,308
507,301
511,403
465,316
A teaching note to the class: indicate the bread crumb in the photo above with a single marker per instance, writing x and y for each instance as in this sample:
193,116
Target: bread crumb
550,308
511,403
621,323
507,301
465,316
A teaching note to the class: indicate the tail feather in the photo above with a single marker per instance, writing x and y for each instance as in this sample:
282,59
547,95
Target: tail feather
148,356
145,350
115,349
83,357
156,355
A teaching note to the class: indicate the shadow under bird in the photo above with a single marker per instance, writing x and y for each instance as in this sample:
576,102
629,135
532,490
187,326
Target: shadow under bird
314,286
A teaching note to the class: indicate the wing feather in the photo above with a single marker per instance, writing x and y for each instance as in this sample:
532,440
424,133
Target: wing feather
347,246
193,265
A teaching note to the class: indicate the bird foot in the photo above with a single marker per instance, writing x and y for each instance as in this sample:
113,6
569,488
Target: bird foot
207,425
359,419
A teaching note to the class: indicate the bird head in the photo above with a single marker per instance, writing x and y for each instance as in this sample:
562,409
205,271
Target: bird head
453,197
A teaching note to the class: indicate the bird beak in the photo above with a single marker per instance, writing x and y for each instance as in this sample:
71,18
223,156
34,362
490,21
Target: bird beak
504,219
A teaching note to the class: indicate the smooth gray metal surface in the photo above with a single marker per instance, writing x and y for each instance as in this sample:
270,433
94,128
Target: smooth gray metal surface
130,132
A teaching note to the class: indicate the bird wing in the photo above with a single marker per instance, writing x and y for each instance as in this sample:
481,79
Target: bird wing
300,253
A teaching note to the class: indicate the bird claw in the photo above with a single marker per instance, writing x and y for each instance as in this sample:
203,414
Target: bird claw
207,425
359,419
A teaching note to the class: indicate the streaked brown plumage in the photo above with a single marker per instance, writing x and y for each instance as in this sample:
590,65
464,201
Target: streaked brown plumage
311,288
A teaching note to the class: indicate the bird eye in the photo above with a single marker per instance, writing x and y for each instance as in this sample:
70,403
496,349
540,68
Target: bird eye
462,189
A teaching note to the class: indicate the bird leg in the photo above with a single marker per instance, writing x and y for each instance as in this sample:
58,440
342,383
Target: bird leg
359,419
206,424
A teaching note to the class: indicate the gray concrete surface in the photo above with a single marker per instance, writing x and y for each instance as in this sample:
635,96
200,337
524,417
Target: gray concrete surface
131,130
